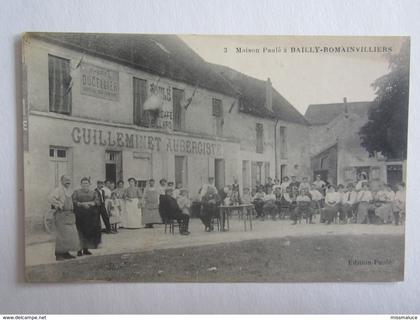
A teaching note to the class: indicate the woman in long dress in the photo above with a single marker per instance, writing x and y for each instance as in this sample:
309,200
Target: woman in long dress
132,196
364,198
88,222
119,194
150,207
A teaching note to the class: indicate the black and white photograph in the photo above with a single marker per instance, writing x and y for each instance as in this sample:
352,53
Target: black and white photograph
214,158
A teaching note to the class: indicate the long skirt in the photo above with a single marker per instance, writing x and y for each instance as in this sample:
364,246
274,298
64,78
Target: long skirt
328,213
133,218
362,212
384,212
66,238
151,215
88,223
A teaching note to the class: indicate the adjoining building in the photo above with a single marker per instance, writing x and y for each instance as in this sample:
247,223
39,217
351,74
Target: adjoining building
110,106
336,152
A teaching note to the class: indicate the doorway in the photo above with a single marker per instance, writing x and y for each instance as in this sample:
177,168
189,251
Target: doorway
113,166
219,173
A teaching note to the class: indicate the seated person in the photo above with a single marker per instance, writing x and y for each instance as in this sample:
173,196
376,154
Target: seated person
269,206
246,196
317,197
184,201
329,212
303,207
365,200
341,192
258,201
210,202
349,203
170,210
399,204
287,204
383,204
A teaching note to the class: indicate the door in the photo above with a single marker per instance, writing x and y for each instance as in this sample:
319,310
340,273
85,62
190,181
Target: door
181,170
58,165
283,172
219,173
113,166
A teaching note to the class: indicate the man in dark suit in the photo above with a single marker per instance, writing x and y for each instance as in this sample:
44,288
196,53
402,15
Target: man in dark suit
102,209
168,207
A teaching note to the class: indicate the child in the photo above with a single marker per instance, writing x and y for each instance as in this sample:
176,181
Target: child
303,208
258,202
114,211
184,202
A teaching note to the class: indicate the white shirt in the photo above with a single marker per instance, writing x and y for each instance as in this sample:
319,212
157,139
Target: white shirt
400,196
385,195
349,197
359,185
284,185
107,192
303,198
332,198
316,195
364,196
269,196
204,189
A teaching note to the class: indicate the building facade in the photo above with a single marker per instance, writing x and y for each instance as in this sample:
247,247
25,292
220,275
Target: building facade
86,100
336,152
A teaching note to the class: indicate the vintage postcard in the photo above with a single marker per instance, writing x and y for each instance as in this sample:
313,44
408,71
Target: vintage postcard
212,158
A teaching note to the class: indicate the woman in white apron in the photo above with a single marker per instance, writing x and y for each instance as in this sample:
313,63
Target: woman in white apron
132,196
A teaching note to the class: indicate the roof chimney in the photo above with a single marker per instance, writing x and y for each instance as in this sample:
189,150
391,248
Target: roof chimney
268,95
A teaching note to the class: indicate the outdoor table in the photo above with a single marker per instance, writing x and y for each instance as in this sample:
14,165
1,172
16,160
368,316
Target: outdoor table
245,210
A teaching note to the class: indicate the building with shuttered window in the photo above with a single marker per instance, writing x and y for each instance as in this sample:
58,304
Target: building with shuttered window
90,110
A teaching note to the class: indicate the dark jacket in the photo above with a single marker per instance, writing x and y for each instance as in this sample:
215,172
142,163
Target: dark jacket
168,207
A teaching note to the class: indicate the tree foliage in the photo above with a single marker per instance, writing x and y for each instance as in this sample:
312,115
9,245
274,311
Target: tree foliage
386,129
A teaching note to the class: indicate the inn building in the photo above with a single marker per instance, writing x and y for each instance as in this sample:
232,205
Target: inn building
336,151
109,106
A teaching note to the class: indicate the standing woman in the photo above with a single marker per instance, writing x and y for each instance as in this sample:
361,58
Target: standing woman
132,196
119,194
88,222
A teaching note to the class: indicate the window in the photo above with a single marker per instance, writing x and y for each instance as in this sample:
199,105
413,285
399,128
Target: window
324,162
140,117
59,81
178,110
58,165
260,137
283,143
218,115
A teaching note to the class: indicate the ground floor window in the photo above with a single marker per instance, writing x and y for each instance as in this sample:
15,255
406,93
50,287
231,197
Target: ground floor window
394,174
59,164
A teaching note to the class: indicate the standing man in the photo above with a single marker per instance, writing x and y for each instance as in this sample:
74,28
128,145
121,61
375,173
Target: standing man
67,238
102,209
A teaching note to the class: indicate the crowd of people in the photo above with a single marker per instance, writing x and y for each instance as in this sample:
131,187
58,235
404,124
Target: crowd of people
357,202
82,215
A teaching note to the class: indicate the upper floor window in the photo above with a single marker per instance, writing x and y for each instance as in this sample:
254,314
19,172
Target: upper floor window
283,142
60,83
260,137
140,117
178,110
218,115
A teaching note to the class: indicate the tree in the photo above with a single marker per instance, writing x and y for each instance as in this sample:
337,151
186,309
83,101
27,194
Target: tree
386,129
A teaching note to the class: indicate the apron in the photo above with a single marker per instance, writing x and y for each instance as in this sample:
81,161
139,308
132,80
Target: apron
66,233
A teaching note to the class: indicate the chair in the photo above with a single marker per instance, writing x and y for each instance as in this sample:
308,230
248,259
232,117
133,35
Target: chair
172,223
216,219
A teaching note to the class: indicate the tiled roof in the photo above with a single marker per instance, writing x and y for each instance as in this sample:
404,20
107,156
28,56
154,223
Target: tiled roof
320,114
252,97
168,56
163,55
